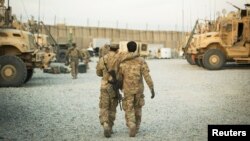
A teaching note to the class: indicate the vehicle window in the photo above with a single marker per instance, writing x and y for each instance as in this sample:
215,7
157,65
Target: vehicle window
16,35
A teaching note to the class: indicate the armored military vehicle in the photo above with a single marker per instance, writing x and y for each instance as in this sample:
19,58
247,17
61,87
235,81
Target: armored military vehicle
19,54
230,42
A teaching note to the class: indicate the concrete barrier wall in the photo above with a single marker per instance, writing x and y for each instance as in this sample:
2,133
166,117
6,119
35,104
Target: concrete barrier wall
84,35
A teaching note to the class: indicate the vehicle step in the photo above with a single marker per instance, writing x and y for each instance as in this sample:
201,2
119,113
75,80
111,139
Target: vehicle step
241,59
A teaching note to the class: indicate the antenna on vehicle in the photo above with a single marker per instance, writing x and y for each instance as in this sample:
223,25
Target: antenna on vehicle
38,22
234,5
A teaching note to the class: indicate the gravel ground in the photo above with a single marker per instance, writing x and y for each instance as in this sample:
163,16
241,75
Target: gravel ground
188,98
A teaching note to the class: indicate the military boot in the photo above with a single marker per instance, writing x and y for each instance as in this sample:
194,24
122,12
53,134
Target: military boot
106,128
137,128
132,130
111,128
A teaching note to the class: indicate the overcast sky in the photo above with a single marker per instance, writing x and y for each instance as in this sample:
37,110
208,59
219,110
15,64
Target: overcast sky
131,14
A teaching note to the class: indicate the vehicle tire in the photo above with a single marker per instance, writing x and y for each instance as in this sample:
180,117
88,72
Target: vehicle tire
13,71
62,56
200,61
29,75
196,62
214,59
189,59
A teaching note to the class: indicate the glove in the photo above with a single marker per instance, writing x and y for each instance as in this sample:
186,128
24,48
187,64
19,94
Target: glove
152,93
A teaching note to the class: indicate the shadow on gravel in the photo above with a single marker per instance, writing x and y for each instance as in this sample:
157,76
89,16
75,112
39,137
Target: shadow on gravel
12,113
11,118
237,66
45,81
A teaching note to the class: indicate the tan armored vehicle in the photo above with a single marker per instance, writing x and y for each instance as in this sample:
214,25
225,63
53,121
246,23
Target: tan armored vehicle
142,48
229,43
19,54
201,27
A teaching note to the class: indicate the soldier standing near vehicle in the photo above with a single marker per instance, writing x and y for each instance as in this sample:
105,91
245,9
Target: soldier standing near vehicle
108,97
72,57
132,71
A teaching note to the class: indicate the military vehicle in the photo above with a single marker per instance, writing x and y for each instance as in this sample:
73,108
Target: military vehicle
230,42
19,54
142,48
201,27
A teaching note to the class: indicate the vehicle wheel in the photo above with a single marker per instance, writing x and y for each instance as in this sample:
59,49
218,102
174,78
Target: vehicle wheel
189,59
214,59
62,56
29,75
197,62
201,63
13,71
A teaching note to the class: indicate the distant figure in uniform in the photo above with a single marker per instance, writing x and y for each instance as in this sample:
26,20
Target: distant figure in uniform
72,57
103,50
86,57
133,71
108,100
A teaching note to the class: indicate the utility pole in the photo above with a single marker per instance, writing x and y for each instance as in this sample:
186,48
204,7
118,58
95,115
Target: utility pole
182,38
87,22
55,20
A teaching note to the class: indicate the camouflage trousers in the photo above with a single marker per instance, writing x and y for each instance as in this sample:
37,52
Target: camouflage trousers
132,105
107,106
74,68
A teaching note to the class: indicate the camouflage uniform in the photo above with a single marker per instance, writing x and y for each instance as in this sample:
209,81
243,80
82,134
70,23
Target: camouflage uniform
103,50
108,102
73,55
132,72
86,57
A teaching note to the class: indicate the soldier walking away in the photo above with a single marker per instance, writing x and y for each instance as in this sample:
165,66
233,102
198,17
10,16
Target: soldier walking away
109,96
132,71
72,57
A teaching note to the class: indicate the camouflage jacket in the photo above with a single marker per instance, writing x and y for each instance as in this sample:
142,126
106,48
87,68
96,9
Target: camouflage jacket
73,54
109,62
132,72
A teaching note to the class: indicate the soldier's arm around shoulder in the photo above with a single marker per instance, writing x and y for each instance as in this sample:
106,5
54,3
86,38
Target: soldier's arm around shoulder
100,67
127,56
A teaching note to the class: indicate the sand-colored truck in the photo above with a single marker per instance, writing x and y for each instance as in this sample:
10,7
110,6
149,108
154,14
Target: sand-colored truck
230,42
19,53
